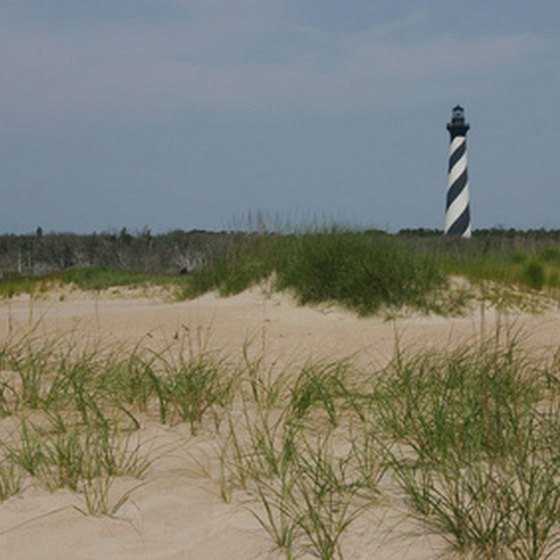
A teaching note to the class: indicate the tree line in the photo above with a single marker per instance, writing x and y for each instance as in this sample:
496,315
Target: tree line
174,252
179,251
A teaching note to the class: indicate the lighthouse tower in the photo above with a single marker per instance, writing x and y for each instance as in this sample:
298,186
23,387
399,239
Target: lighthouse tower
457,215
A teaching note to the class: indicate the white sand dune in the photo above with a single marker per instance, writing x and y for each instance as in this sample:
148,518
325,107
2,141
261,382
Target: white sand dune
176,512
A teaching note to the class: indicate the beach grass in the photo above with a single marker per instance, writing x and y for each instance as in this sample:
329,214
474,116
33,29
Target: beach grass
366,271
87,279
371,271
466,439
363,271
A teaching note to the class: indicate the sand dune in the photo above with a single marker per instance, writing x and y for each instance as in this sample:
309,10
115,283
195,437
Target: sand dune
176,511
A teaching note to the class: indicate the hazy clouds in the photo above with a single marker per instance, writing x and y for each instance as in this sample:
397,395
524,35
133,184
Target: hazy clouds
104,102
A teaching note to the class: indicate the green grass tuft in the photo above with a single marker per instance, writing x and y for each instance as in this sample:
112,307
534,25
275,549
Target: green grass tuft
361,271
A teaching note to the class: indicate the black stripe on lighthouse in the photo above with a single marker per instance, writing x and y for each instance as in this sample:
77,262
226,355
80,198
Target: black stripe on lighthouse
461,224
456,188
457,216
457,155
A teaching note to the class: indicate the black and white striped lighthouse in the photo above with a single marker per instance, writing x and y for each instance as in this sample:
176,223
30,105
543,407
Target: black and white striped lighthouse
457,215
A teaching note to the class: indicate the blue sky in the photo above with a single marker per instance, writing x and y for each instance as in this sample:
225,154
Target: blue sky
193,113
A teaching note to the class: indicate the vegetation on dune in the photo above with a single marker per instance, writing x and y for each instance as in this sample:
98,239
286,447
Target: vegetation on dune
525,259
96,279
366,271
466,439
362,271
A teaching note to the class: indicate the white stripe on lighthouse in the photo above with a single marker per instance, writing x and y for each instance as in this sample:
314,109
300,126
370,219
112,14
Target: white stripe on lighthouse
456,142
457,170
457,207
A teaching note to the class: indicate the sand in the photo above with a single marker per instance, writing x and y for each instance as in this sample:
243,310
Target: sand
176,511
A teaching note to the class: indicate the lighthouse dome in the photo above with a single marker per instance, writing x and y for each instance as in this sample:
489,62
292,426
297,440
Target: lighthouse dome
458,114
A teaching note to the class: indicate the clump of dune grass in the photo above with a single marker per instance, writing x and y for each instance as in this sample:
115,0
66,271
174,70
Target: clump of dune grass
189,388
78,410
473,453
363,271
313,476
506,509
470,403
247,260
320,387
309,493
11,481
62,454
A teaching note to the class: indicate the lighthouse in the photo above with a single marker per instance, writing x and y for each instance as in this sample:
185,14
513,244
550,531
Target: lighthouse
457,215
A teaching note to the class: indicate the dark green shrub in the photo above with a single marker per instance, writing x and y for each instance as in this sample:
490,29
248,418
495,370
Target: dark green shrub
363,272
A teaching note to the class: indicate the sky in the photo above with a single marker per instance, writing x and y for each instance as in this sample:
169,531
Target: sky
200,114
